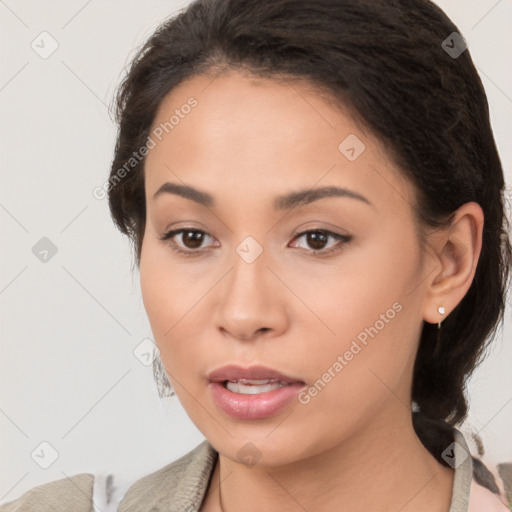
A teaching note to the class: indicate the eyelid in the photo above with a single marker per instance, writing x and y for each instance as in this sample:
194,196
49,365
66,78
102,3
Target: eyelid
167,238
342,239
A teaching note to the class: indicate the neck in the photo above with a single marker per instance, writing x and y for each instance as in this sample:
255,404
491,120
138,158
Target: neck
383,467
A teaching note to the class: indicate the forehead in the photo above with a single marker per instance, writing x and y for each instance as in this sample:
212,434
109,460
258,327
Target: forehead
237,104
264,135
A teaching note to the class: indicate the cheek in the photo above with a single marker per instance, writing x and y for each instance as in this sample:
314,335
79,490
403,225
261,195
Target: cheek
170,298
153,283
162,293
167,291
376,320
348,294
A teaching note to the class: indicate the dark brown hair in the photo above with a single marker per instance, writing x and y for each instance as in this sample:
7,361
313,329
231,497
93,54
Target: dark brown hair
384,61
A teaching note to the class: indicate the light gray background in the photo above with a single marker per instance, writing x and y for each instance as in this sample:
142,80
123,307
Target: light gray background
68,373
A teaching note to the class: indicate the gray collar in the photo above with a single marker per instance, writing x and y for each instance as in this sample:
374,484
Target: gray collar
463,465
178,487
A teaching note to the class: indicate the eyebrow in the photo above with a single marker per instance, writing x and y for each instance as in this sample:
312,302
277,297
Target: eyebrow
282,202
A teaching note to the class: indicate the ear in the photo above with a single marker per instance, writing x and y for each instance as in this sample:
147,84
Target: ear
455,254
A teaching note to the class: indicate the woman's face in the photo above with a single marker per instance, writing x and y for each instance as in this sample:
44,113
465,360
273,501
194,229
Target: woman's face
337,310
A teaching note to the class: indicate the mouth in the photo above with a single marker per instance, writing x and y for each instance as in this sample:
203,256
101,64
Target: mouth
252,376
252,393
253,387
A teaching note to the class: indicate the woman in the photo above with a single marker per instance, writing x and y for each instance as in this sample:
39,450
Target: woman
316,205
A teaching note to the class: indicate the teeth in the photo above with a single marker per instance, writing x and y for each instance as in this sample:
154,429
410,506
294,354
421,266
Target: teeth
253,387
255,382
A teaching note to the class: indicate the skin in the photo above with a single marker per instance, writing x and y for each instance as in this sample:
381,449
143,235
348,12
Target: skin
352,447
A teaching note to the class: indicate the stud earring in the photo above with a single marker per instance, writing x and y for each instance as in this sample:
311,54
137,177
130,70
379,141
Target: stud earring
440,310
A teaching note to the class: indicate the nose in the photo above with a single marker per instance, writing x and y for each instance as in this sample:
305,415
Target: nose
251,301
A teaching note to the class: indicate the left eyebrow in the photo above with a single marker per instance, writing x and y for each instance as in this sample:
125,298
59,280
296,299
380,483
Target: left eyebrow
282,202
304,197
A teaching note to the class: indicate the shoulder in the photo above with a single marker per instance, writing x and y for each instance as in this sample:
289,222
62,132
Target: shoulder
182,482
179,485
70,493
482,499
479,481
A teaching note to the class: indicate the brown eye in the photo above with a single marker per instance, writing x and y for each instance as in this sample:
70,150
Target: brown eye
317,241
190,243
192,239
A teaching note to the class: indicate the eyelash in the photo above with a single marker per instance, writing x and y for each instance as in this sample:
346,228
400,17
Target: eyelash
167,237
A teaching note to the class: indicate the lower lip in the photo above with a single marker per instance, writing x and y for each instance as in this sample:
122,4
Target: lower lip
251,407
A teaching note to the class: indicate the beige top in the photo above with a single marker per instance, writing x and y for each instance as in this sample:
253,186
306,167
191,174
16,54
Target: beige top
181,487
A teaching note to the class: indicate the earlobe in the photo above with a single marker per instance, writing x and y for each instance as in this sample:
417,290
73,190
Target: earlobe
457,250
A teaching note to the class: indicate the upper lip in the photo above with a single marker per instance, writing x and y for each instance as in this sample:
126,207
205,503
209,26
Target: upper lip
234,372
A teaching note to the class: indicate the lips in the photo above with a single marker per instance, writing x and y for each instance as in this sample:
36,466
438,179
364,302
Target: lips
252,393
235,373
